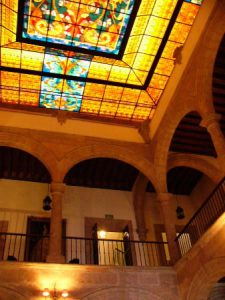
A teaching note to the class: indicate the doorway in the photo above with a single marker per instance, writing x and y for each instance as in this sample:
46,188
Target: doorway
37,241
111,241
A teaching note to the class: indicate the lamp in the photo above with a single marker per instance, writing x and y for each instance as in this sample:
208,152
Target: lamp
54,294
47,203
179,211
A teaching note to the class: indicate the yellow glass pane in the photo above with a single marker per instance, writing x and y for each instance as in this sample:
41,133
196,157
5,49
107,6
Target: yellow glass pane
94,90
158,81
149,45
28,98
10,79
157,27
179,32
165,66
155,94
125,111
12,4
10,57
120,63
133,44
108,108
141,75
32,82
103,60
113,92
90,106
141,113
10,96
139,25
152,112
145,99
32,60
188,13
164,9
143,62
129,58
99,71
130,95
132,79
146,7
9,19
14,45
169,49
34,48
119,74
7,36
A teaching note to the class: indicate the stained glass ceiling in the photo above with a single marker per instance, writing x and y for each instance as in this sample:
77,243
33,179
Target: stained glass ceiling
103,58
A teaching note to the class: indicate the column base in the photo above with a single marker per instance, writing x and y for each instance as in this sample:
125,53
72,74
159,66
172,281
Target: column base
57,259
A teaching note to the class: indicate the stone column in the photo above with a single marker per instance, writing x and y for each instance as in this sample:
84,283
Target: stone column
169,215
211,122
55,242
139,205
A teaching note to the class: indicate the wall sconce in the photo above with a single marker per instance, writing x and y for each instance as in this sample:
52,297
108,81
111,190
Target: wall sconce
54,294
47,203
179,211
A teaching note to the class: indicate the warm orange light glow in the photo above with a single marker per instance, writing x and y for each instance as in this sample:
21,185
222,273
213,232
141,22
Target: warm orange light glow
65,294
46,293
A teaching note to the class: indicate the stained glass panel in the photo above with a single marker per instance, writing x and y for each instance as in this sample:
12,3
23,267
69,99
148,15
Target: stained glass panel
54,77
92,25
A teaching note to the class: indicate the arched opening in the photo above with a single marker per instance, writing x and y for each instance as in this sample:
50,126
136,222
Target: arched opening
100,195
24,182
190,137
102,173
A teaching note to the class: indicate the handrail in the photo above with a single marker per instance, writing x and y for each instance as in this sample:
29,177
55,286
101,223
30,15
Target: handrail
82,250
200,208
204,217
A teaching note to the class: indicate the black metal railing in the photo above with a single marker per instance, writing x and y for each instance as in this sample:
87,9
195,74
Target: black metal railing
23,247
206,215
85,251
115,252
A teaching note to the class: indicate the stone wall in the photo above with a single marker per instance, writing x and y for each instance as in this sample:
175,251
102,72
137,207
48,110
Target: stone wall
26,281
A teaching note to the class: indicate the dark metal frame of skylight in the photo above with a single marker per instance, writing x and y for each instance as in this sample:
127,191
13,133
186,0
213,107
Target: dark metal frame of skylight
48,44
107,82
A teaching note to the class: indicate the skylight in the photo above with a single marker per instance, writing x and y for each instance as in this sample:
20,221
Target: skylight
45,66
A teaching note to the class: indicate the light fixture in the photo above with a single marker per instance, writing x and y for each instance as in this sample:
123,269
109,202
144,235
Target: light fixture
47,202
102,234
179,210
55,294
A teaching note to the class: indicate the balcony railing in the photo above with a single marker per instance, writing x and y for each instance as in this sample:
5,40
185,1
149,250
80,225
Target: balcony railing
84,251
115,252
206,215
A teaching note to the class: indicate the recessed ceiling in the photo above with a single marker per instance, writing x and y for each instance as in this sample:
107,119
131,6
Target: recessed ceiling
100,58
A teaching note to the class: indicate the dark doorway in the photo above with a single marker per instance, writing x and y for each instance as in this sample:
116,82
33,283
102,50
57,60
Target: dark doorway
37,242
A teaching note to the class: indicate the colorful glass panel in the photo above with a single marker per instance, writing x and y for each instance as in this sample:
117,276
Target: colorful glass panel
92,25
108,87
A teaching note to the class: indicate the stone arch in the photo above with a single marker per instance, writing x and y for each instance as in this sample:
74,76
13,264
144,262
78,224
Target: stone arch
209,47
32,147
165,134
122,293
10,293
202,283
207,165
131,157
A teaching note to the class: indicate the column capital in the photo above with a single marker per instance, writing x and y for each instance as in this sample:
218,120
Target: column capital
57,187
210,119
164,197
